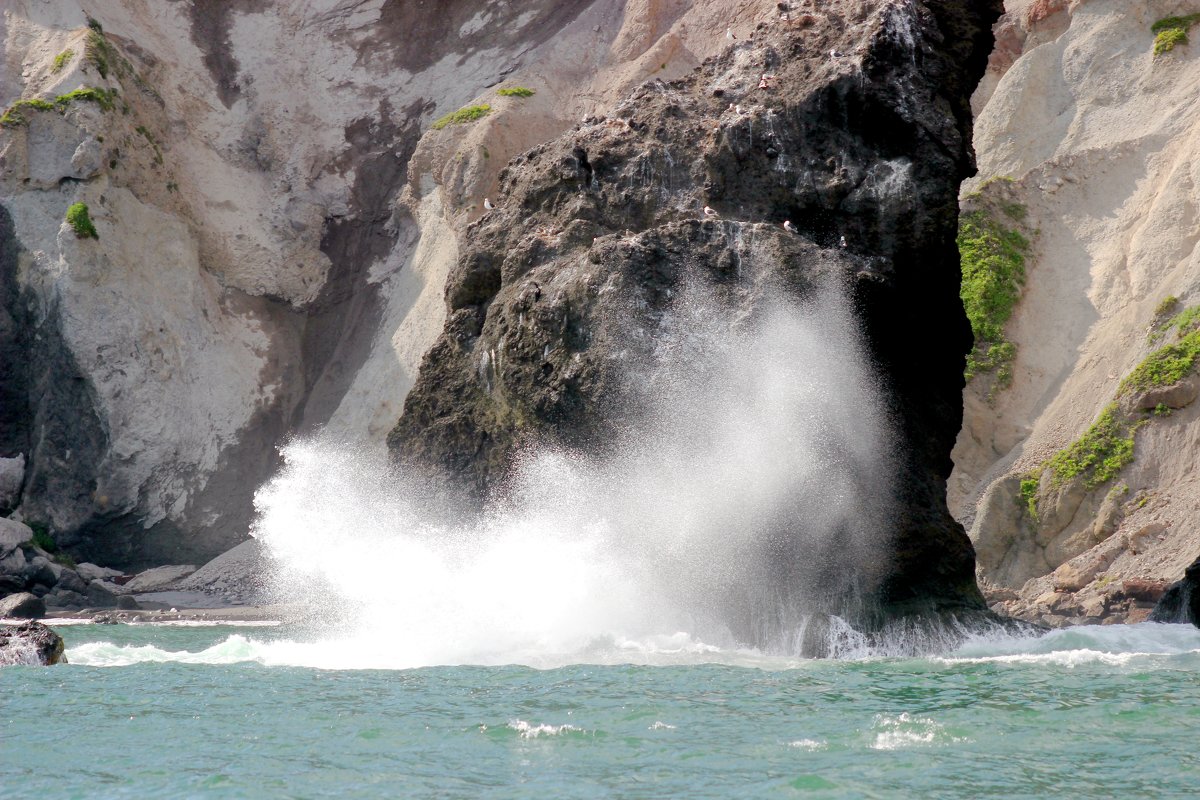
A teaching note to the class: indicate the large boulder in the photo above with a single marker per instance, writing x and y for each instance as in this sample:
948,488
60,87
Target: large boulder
30,643
12,535
1181,601
159,578
22,605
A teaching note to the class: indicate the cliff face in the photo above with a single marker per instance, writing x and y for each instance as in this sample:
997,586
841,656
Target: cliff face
275,220
1079,480
858,135
282,234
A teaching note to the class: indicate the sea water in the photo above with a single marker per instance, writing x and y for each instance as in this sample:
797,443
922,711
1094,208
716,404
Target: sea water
150,711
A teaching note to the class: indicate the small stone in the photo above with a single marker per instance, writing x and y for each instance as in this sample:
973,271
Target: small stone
1139,540
22,606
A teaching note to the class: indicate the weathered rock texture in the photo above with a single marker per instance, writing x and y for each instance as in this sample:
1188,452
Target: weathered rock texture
30,643
275,222
860,138
1100,138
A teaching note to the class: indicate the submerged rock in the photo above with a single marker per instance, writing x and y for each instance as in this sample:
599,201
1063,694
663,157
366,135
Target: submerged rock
30,643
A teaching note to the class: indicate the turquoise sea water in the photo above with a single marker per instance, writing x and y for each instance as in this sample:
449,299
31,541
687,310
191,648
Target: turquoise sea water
178,712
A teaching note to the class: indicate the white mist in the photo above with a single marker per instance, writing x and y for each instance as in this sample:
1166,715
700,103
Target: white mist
752,490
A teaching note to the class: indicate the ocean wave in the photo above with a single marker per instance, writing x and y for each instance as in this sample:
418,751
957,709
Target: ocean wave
1114,645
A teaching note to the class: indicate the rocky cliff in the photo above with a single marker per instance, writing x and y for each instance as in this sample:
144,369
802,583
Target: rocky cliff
274,216
849,123
283,229
1076,469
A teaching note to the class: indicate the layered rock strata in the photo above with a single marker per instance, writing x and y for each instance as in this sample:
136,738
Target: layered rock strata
1079,478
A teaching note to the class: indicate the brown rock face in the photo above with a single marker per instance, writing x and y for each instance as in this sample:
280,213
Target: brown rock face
855,129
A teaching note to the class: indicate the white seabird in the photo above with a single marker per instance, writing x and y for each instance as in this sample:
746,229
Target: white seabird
729,33
488,204
842,243
708,212
788,226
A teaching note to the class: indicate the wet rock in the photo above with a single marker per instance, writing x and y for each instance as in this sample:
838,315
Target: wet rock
518,361
1181,601
22,605
30,643
159,578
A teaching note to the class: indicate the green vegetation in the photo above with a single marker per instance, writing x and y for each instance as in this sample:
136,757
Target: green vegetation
13,117
1107,446
993,273
105,98
1166,365
463,115
1029,492
1172,31
78,219
42,537
61,60
516,91
95,25
1099,455
158,159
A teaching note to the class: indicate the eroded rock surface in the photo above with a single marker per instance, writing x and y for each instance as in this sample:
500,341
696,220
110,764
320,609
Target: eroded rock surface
852,124
30,643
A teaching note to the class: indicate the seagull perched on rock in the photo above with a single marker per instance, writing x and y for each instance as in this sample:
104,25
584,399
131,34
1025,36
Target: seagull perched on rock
842,243
488,204
729,33
788,226
708,212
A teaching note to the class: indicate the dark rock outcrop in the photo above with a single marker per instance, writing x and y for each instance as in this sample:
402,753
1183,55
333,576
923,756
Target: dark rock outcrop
1181,602
30,643
854,125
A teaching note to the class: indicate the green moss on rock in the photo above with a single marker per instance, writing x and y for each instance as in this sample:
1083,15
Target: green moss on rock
1172,32
81,222
516,91
61,60
993,274
463,115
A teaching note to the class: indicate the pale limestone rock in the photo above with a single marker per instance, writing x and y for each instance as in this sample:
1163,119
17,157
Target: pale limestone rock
159,578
